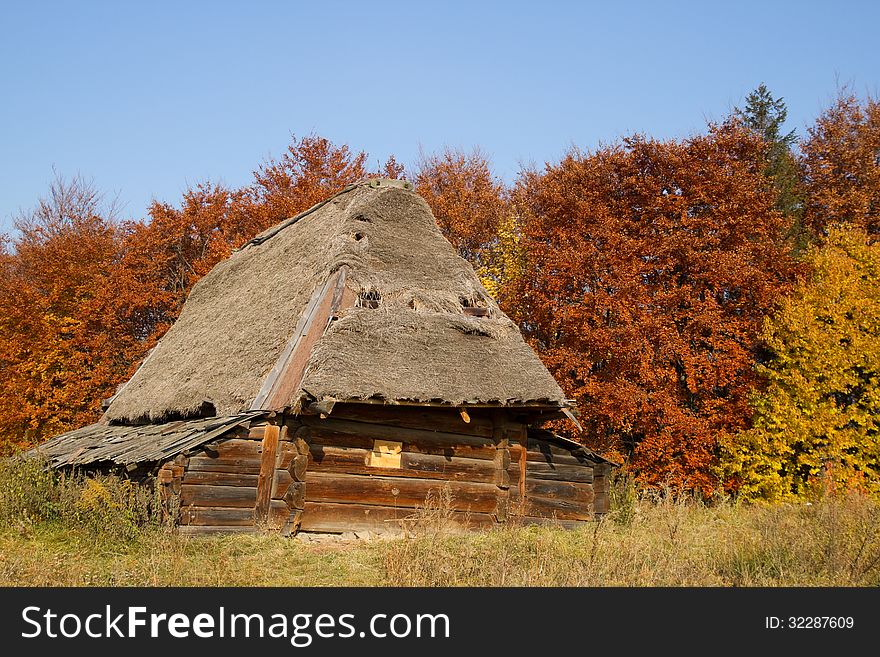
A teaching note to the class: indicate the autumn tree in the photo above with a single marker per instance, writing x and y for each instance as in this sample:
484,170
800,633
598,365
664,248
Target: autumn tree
766,116
60,355
392,169
841,161
309,171
650,266
473,211
820,415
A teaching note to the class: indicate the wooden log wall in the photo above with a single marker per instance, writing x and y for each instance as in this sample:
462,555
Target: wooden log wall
477,461
323,473
248,480
552,483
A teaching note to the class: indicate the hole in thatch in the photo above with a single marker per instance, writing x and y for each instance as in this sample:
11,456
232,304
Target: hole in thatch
358,237
370,299
207,409
465,302
364,218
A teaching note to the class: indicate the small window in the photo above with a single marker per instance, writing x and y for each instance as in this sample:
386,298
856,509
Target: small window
385,454
370,299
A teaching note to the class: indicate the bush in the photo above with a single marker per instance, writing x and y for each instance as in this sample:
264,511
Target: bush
104,505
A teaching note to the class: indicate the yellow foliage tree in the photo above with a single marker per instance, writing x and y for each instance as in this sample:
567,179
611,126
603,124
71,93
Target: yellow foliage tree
501,261
818,422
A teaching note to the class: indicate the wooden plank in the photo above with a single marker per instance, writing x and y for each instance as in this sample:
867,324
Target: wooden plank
412,464
204,495
220,478
336,518
267,472
447,421
235,466
291,373
397,491
362,435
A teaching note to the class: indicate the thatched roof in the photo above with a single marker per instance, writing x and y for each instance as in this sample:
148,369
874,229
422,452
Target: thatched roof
408,333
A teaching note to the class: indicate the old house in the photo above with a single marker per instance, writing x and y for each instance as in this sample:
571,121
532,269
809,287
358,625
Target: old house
332,373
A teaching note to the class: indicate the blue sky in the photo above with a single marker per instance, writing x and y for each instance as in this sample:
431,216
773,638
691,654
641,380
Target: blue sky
148,98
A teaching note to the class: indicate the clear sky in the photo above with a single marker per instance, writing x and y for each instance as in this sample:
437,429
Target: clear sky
147,98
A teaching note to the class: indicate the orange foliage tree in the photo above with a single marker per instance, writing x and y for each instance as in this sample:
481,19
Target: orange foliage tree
59,352
650,266
309,171
466,198
841,162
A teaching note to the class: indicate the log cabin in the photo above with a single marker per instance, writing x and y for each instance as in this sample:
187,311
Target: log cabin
331,375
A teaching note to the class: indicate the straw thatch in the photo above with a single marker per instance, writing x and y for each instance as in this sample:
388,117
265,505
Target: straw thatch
416,344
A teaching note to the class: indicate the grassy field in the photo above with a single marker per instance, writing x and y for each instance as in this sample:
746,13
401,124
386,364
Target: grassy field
100,532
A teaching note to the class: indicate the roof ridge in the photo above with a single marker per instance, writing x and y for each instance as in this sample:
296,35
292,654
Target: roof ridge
375,183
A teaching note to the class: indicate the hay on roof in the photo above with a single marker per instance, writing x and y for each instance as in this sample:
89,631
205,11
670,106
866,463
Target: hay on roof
408,339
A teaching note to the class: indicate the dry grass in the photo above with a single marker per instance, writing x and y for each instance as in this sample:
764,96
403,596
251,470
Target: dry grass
57,531
668,541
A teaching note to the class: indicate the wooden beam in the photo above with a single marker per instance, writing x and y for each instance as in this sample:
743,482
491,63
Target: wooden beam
267,473
286,377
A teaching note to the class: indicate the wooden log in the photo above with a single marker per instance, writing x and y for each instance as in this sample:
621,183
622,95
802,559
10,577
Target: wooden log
295,495
197,530
267,472
220,478
502,507
448,421
279,514
297,467
234,448
397,491
238,517
412,464
279,486
416,444
405,435
257,432
561,459
563,490
559,472
336,518
204,495
540,507
294,520
230,465
502,463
